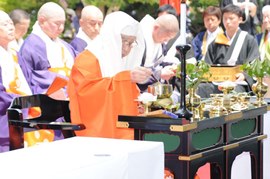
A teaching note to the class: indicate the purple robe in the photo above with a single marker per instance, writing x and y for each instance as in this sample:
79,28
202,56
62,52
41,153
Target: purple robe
5,101
33,53
78,44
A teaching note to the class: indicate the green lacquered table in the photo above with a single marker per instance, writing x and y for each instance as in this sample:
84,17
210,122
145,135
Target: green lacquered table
190,145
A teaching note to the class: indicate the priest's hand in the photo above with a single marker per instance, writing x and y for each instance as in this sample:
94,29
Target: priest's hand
240,77
140,75
167,72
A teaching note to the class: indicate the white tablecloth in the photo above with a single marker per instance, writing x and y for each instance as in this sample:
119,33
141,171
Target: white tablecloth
86,158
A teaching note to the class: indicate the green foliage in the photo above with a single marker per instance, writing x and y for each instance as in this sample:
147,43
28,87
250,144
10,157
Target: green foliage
28,5
257,68
72,3
204,3
104,2
195,73
118,3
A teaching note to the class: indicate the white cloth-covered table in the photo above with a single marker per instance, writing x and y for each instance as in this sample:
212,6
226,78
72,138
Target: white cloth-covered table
86,158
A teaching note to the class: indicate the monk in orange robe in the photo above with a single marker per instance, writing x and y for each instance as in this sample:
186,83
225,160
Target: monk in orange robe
103,80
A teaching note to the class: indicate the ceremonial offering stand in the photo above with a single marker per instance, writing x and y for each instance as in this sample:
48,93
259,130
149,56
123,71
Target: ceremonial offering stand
218,140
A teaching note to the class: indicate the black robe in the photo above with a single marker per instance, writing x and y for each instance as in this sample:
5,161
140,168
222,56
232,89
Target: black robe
219,53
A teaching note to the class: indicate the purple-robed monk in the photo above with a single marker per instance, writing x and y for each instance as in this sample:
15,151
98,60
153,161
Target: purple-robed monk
34,53
78,44
5,101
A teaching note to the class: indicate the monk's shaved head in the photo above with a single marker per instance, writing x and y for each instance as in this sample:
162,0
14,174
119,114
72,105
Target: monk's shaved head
168,23
51,10
7,29
91,21
165,28
91,11
3,15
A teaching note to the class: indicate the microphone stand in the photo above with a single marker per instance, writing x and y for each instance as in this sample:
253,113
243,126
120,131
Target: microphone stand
183,112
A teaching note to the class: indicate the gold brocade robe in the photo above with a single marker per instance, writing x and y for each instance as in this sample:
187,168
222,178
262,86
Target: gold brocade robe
96,101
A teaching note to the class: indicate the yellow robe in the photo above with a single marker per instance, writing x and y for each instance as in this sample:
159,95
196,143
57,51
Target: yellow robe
96,101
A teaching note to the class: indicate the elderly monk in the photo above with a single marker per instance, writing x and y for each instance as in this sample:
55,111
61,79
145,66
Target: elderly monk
13,82
46,55
103,80
155,33
90,24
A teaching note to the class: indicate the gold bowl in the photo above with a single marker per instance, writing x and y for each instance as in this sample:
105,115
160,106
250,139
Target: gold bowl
160,90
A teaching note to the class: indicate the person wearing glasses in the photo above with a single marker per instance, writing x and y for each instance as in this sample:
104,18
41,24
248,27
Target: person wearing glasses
103,80
90,24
